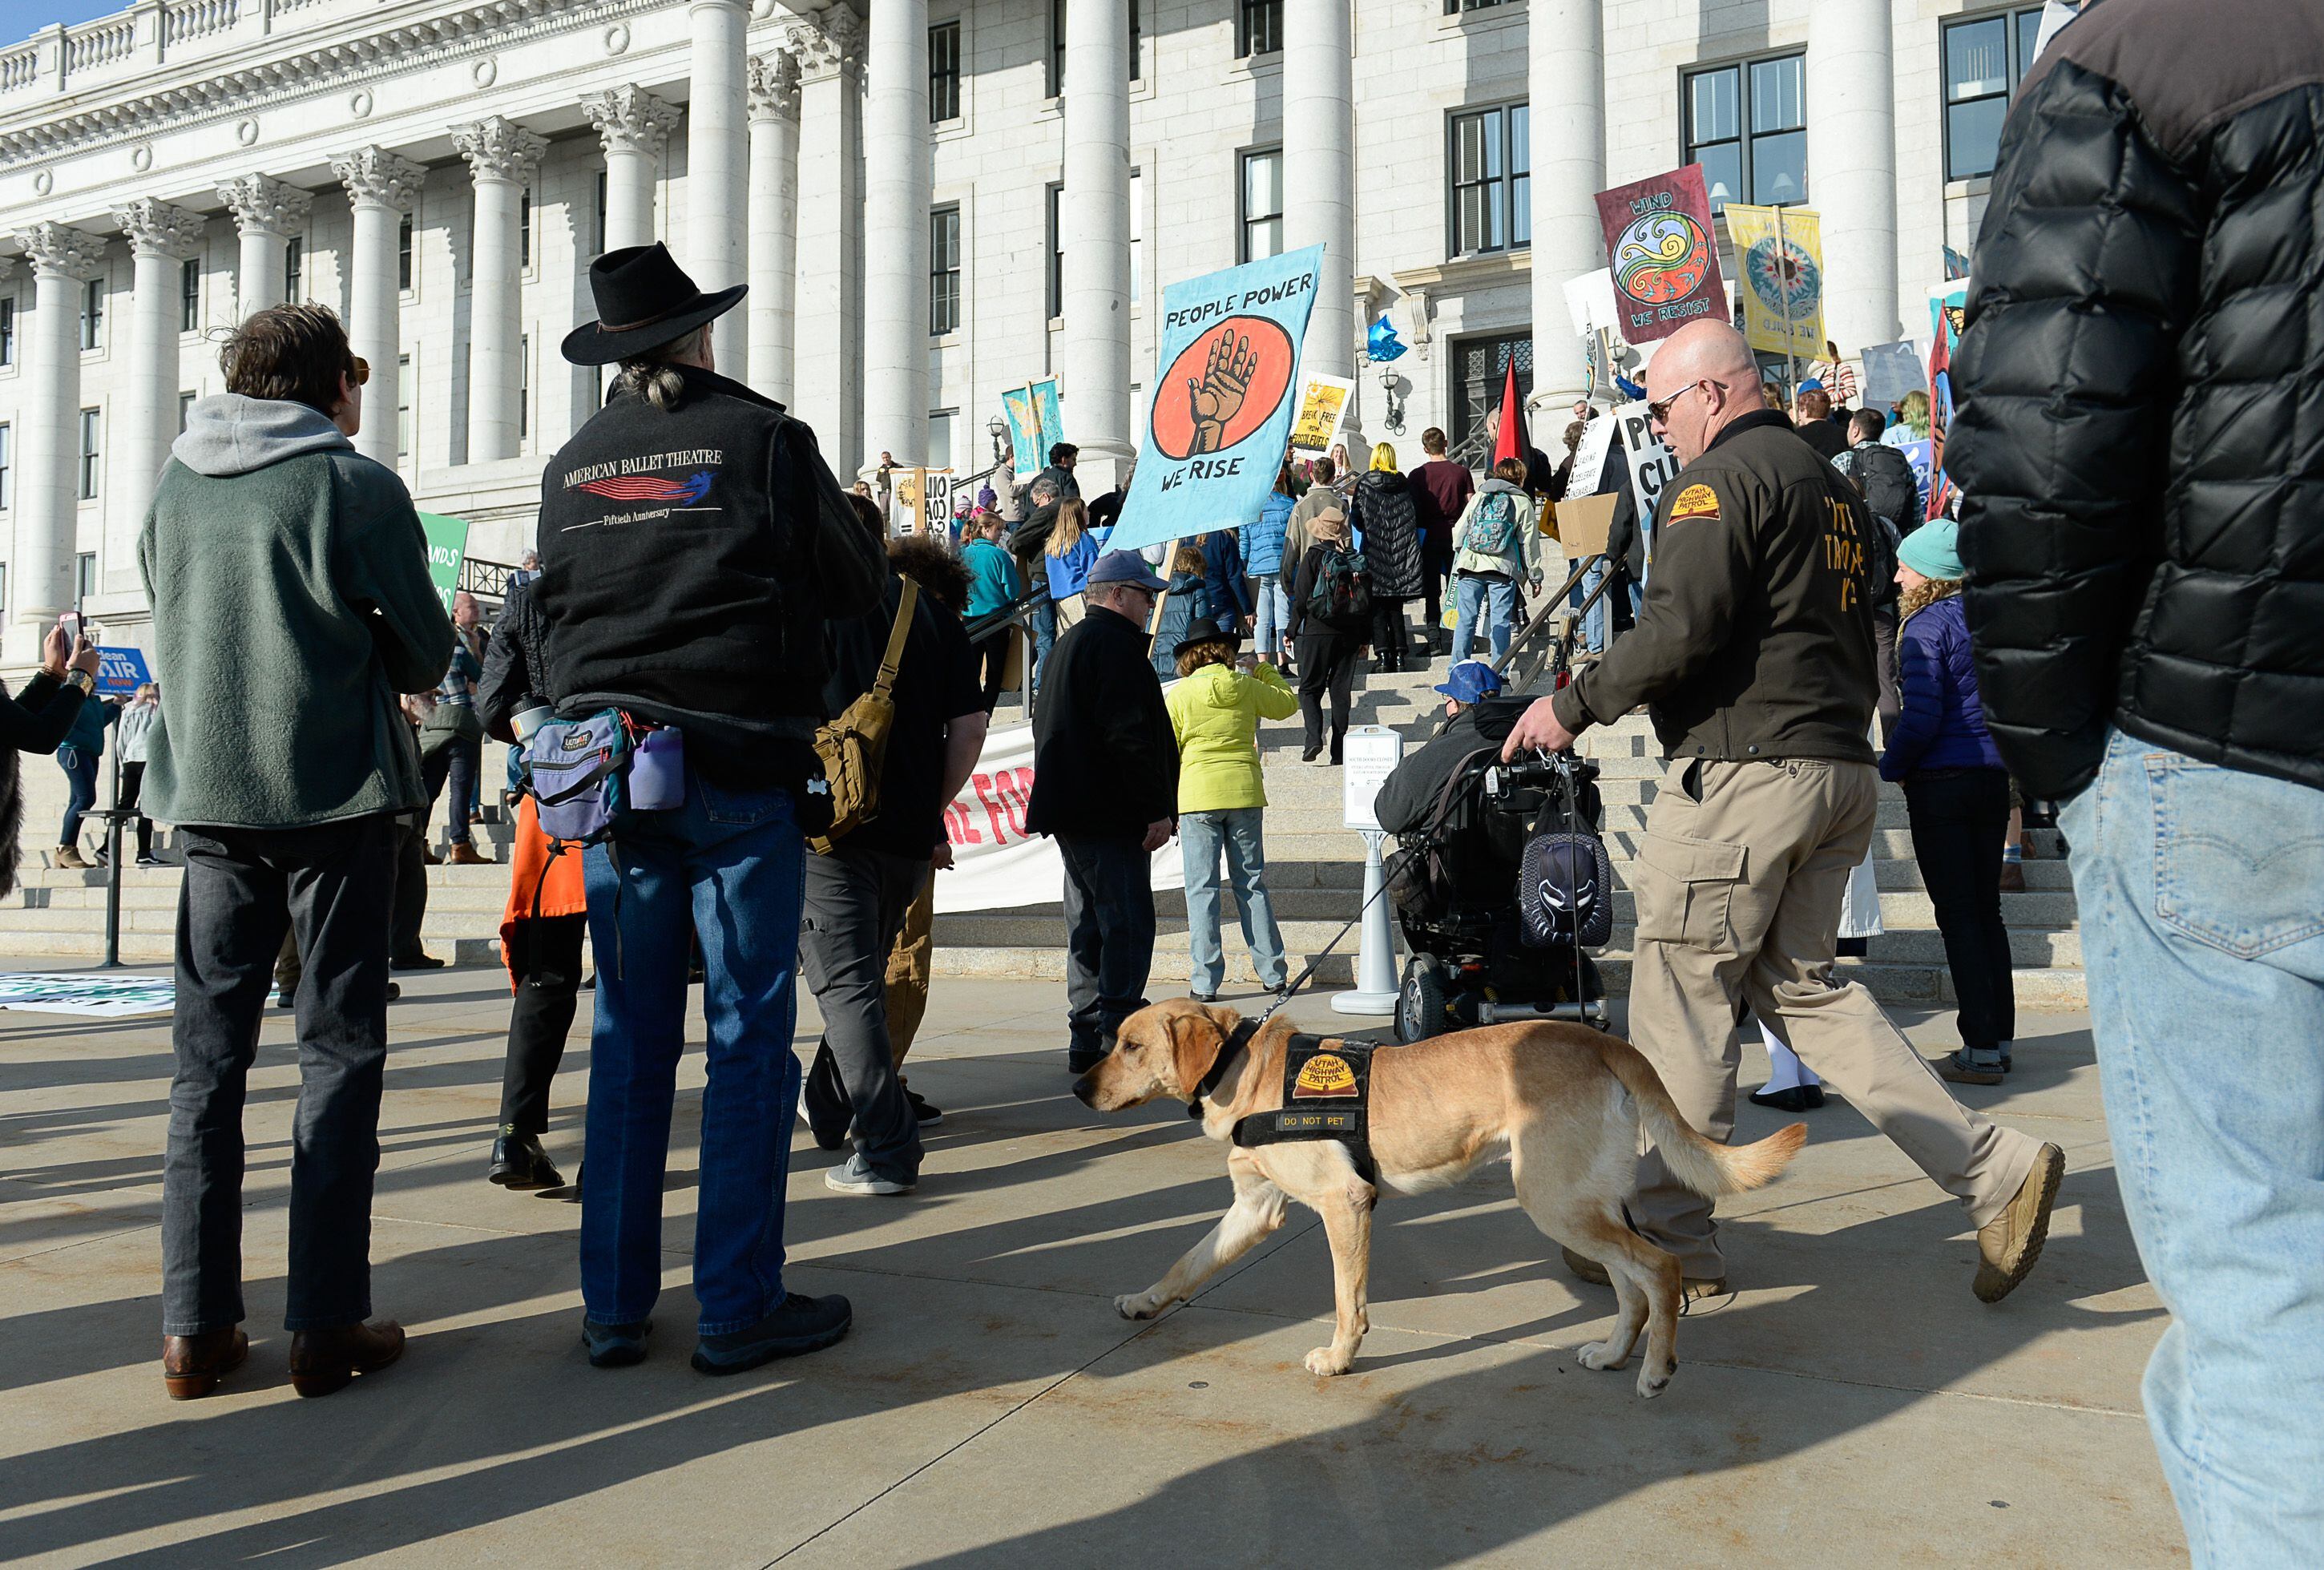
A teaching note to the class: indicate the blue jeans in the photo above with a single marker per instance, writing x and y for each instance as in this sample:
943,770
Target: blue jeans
1239,832
2203,936
80,765
1045,638
1273,615
1498,600
725,866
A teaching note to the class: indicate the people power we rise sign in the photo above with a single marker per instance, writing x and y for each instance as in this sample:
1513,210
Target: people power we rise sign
1224,390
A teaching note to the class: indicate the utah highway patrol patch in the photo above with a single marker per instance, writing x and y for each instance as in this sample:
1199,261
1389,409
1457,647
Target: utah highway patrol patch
1335,1074
1326,1074
1697,501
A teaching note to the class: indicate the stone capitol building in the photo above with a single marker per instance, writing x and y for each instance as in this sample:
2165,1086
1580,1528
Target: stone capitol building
931,201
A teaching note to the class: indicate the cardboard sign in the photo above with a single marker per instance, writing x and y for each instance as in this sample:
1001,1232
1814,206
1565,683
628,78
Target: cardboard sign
1583,523
1323,404
120,671
1780,251
1220,414
1663,253
447,544
1036,422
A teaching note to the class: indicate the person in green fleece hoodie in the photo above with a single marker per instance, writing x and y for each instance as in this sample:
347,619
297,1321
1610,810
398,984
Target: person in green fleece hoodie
1215,710
292,604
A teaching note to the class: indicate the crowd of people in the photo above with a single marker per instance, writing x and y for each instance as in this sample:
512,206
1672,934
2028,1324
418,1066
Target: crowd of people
782,710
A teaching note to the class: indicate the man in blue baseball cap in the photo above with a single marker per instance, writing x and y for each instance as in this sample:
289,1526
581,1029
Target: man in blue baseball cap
1467,682
1105,787
1472,722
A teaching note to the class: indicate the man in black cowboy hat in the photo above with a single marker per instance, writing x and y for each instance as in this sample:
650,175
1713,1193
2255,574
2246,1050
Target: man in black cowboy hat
692,543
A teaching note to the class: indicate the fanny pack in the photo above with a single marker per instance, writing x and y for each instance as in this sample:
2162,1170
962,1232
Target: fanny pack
582,773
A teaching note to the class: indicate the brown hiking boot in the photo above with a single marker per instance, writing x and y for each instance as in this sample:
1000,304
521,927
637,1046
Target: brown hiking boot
2013,877
464,855
193,1365
2009,1243
68,856
324,1361
1591,1271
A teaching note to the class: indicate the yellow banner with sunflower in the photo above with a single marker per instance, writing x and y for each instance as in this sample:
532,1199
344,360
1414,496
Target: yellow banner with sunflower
1779,253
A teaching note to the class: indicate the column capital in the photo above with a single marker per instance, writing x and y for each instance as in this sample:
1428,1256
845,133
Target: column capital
832,42
775,85
61,251
629,119
497,148
156,228
375,177
264,205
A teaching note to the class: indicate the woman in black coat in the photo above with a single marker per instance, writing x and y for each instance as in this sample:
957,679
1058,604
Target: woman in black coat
1385,517
1327,650
36,720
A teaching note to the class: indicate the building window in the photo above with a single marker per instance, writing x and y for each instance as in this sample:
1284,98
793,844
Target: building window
86,489
1137,234
523,386
1260,235
190,297
1985,58
944,271
1259,27
1455,7
7,464
8,331
944,73
1057,45
92,313
599,249
1492,180
402,406
1746,125
294,270
524,230
185,410
1056,251
403,252
83,577
940,424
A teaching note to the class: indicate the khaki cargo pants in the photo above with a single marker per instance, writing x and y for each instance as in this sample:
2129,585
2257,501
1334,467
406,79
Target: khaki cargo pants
1739,884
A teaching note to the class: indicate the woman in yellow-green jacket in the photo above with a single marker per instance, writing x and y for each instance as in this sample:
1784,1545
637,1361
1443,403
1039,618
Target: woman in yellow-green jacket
1215,710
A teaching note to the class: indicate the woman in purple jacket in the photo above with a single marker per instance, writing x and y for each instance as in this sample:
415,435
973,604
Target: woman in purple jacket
1957,796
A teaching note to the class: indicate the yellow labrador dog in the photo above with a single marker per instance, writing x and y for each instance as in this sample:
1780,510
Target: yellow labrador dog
1564,1101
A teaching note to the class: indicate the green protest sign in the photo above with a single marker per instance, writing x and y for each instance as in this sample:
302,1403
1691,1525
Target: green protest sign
447,543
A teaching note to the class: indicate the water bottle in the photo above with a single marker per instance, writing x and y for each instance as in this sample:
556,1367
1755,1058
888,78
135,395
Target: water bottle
658,772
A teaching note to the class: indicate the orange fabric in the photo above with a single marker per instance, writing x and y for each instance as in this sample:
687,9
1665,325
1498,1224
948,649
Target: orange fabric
558,878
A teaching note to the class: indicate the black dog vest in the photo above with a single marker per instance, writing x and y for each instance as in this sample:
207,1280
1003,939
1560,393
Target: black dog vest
1327,1087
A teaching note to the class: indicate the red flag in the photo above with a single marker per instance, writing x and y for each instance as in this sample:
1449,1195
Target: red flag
1513,441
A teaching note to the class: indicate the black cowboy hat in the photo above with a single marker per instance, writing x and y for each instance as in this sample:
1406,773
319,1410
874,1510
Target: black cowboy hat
644,298
1204,629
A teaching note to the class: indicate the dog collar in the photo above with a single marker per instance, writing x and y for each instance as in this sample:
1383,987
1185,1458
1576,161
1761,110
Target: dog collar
1236,1041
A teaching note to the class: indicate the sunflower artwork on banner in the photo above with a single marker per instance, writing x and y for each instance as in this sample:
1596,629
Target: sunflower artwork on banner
1780,251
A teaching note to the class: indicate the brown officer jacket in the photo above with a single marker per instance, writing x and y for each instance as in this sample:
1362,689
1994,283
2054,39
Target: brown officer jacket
1756,637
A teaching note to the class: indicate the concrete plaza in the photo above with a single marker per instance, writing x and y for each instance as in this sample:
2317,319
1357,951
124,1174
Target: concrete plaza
1852,1404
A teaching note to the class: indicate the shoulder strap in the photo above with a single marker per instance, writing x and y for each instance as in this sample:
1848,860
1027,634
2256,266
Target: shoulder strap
898,636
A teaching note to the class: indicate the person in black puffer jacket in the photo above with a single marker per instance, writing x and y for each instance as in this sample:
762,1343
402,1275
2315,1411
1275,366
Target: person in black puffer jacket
1384,512
2141,464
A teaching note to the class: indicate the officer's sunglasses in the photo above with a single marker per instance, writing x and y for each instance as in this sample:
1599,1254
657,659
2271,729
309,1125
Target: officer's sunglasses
1659,413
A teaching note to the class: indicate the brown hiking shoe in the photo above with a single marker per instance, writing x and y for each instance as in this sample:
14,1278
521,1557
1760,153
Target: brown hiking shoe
1591,1271
2013,877
2009,1243
68,856
464,855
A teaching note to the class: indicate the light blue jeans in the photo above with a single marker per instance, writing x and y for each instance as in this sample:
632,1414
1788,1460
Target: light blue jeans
2201,892
1272,614
1496,599
1239,832
726,865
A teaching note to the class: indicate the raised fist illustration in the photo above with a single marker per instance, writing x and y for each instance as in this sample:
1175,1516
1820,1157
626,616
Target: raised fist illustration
1219,394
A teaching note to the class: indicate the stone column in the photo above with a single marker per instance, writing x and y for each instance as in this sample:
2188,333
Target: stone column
1319,170
382,187
501,156
774,221
897,178
1851,117
716,181
48,424
828,387
1565,85
144,421
632,124
1094,357
268,213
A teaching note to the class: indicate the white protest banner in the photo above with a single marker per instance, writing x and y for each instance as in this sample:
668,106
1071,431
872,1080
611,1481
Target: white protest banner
1653,465
996,865
1589,303
1590,457
98,996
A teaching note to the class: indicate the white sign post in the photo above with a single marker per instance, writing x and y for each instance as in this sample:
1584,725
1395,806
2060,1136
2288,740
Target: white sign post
1371,753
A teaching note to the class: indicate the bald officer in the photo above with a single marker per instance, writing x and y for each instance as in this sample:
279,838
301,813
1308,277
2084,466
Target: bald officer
1754,655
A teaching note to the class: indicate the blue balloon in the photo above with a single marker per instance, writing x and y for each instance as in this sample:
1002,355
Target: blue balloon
1381,343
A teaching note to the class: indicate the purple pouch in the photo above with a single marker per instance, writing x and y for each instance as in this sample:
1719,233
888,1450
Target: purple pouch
656,781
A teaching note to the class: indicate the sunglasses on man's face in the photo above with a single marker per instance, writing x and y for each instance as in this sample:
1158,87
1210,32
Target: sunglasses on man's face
362,371
1659,413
